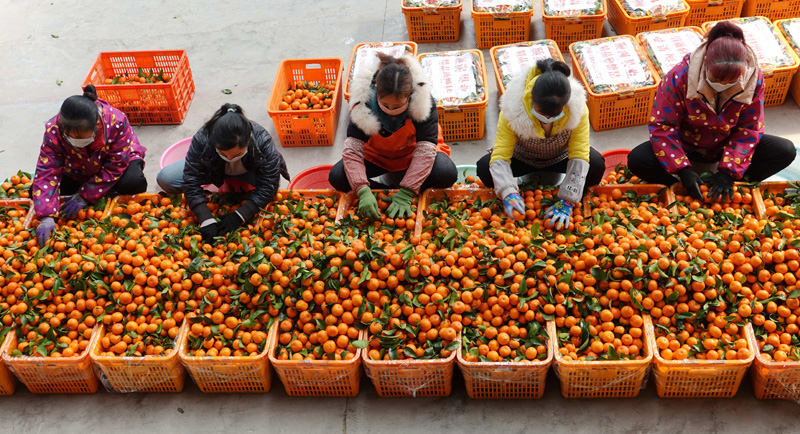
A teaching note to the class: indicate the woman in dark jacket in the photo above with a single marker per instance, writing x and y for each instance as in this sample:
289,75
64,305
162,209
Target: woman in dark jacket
228,146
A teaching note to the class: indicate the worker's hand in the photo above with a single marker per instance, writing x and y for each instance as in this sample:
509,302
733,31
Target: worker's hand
46,227
71,207
209,230
513,202
559,214
400,203
228,223
367,204
691,181
721,187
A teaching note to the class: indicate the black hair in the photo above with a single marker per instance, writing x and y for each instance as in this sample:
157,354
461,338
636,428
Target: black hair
552,90
79,112
229,128
393,77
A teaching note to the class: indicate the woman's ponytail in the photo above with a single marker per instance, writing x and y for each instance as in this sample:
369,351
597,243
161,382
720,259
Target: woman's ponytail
229,128
552,90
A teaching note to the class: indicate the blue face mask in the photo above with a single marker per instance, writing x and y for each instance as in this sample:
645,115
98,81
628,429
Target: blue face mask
544,119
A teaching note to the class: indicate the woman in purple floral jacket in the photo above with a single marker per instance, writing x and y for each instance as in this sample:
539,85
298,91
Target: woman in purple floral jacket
710,108
89,151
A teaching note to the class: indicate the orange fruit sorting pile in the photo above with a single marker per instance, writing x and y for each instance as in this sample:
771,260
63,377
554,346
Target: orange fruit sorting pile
515,341
135,336
215,334
470,182
621,175
304,95
611,334
711,343
17,186
741,205
12,219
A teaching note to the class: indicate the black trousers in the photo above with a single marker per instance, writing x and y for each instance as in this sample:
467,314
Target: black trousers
132,181
772,154
443,175
597,166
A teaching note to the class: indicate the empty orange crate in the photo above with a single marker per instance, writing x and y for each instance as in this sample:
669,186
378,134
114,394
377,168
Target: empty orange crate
777,79
694,378
600,378
493,29
54,375
618,109
231,374
701,11
306,127
505,380
8,382
410,48
772,9
433,23
771,379
794,40
148,103
623,23
566,30
411,378
665,194
464,121
141,374
318,377
546,48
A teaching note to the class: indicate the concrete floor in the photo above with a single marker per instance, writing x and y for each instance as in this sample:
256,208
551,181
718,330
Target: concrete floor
238,45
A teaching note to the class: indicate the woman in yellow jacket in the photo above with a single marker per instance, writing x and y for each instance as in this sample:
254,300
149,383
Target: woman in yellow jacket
543,127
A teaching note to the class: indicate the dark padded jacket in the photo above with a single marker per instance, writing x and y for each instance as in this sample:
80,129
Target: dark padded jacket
204,166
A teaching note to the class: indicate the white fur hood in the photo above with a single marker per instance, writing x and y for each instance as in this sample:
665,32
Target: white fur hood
361,114
515,102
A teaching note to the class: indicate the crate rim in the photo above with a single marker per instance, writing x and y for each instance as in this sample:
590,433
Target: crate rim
419,8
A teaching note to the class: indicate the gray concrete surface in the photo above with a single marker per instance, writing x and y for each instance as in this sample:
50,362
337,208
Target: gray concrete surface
238,45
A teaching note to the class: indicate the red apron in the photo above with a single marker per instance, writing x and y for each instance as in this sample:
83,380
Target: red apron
394,153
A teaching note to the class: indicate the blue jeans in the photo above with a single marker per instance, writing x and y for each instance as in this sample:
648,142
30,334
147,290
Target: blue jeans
170,178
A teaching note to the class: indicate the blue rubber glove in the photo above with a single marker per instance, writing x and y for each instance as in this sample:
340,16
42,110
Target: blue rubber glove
44,230
559,214
71,207
513,202
400,203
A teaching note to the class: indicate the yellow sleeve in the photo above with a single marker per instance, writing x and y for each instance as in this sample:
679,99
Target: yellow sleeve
579,139
505,141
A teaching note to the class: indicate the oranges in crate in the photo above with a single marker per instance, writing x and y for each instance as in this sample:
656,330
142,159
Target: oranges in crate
621,175
17,186
141,77
240,333
136,336
305,95
719,340
611,334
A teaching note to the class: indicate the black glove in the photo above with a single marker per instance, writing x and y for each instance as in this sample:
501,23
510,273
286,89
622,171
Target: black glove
209,232
691,181
721,187
227,223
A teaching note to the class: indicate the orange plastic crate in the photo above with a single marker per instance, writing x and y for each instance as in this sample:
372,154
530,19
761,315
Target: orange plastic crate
794,87
773,187
432,194
771,379
141,374
54,375
776,80
411,48
772,9
149,103
498,73
616,110
411,378
231,374
599,378
306,127
678,189
318,377
434,24
494,29
625,24
505,380
702,11
25,205
665,198
465,121
564,31
8,382
695,378
651,55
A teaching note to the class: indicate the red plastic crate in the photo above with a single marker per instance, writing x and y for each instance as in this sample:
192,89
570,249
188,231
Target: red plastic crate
148,103
306,127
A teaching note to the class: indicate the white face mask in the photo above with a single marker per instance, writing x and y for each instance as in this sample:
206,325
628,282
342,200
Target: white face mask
719,87
395,112
234,159
544,119
80,143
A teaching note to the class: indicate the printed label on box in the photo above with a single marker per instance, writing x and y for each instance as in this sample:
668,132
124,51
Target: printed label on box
566,5
450,76
368,55
514,59
763,42
669,48
614,62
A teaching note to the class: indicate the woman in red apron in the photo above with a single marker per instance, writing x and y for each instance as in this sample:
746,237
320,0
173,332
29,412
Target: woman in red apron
393,133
